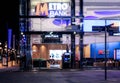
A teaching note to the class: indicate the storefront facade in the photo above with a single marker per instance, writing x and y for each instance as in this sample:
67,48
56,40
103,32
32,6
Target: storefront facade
47,28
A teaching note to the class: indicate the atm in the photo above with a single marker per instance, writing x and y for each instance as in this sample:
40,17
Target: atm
66,60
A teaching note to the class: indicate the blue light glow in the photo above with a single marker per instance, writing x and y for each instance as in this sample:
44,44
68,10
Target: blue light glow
58,22
107,12
9,38
90,17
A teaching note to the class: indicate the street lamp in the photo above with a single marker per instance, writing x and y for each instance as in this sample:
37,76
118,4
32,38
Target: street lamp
108,28
106,52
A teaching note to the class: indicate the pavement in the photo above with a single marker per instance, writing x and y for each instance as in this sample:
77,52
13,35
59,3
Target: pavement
9,69
62,75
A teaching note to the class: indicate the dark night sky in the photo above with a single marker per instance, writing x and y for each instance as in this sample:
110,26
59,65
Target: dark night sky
9,18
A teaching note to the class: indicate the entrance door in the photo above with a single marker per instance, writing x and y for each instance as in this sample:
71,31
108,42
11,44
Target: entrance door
49,49
49,53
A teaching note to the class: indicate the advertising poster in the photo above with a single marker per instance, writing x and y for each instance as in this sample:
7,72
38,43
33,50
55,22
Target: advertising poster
56,54
118,54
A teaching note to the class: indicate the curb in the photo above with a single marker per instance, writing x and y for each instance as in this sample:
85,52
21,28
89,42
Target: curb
11,69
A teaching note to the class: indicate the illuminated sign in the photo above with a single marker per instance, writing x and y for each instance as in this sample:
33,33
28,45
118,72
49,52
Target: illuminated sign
41,9
103,52
56,54
54,36
52,9
117,54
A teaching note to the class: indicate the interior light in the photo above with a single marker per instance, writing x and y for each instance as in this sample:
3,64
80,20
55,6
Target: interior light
51,32
74,32
21,33
116,34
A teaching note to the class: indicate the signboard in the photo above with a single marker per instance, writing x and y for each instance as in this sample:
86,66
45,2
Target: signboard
117,54
52,9
97,25
89,24
93,9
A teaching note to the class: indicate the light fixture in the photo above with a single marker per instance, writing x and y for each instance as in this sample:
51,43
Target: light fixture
74,32
51,33
21,33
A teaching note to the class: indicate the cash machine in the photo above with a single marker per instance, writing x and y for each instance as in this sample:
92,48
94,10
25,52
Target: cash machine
66,60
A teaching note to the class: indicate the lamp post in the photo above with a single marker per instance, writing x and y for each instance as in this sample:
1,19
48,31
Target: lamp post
107,29
106,52
81,34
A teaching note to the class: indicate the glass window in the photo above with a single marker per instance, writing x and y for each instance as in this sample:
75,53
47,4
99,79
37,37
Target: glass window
49,24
